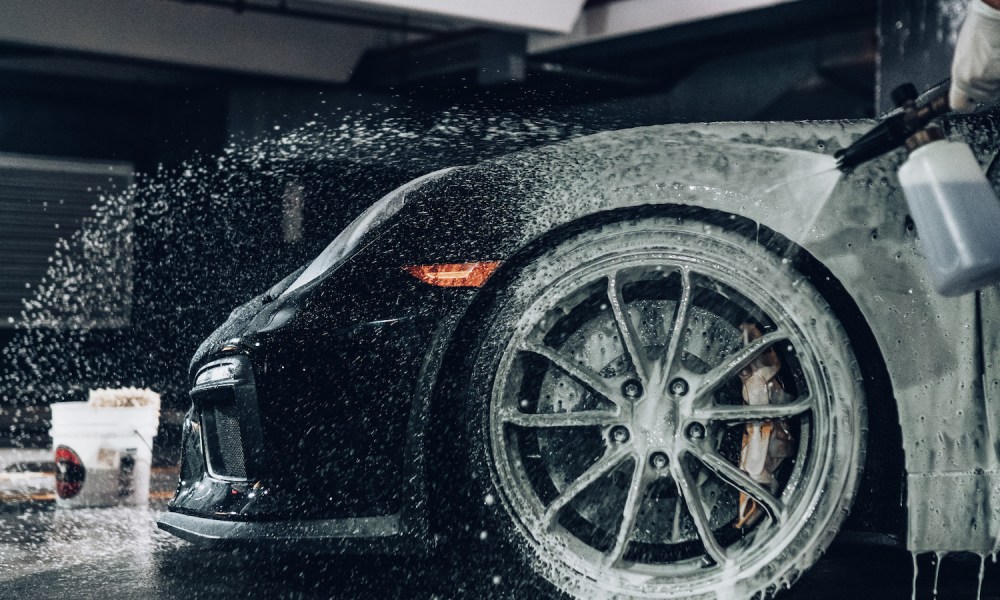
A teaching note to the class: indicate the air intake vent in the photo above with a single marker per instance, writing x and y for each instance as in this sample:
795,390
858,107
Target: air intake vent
224,441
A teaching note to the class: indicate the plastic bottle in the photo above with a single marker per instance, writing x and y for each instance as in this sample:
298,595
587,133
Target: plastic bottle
955,210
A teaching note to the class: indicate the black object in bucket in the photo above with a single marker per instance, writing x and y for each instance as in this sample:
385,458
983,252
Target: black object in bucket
126,474
70,472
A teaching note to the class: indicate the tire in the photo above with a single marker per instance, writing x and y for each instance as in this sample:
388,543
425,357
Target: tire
561,415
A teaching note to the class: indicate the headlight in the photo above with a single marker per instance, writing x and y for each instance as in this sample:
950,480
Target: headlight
217,373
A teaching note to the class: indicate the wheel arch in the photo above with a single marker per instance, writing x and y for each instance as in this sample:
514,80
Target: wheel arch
877,507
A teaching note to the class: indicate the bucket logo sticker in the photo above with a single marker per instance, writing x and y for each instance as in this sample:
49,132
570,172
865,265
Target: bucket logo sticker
70,472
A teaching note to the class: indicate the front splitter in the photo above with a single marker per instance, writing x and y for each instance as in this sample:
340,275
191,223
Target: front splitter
361,534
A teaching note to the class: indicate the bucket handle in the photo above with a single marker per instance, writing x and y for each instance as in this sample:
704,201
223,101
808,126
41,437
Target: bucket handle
145,443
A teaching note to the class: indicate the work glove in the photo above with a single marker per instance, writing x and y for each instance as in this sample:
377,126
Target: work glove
975,71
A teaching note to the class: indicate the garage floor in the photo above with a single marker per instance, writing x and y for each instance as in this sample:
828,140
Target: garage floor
119,553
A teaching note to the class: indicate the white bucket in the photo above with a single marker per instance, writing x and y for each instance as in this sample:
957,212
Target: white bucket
103,453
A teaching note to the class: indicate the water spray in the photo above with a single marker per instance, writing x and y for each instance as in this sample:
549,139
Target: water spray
952,203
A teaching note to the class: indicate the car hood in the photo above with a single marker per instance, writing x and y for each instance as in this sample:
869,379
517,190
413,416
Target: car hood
363,229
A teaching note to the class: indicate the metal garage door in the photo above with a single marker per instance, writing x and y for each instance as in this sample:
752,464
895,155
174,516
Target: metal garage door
43,201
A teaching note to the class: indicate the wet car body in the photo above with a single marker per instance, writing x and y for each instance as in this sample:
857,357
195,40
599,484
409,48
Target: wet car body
339,409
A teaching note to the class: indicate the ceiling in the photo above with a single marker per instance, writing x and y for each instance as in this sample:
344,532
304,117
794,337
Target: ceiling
323,41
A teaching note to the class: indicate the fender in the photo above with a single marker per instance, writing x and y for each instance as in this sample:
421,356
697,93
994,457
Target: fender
856,225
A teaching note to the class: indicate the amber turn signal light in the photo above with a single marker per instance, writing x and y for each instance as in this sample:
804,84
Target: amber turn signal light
469,274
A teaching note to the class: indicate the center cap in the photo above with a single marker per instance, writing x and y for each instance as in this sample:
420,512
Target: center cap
656,421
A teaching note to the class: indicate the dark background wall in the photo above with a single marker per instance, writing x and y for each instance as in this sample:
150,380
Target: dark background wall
145,124
916,42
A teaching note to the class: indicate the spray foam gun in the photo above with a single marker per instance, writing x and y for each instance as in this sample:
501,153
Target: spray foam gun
913,114
952,204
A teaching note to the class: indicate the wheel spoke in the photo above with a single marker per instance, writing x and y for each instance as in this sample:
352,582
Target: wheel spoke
742,482
697,510
602,467
587,377
627,332
579,418
680,322
737,361
743,413
633,503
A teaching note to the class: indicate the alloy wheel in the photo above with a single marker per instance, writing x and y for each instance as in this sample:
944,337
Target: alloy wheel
616,422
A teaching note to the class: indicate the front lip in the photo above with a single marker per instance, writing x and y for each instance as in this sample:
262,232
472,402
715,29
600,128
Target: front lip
367,534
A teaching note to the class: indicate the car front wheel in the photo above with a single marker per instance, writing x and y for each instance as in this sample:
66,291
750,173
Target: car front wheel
665,409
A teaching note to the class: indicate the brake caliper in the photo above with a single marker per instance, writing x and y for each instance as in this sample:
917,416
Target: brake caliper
765,443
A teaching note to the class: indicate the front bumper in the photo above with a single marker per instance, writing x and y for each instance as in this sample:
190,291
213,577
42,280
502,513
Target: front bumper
271,445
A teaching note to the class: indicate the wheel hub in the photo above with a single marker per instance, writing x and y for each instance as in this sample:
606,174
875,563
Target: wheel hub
655,412
655,421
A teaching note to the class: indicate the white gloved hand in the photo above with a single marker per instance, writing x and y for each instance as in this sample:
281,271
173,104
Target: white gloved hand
975,71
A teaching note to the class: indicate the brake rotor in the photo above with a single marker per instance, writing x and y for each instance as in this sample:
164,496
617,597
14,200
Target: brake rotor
708,339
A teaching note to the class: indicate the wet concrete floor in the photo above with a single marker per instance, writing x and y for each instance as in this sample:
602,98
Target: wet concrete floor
119,553
112,553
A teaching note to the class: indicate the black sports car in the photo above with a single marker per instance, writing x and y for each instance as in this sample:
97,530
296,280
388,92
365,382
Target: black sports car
650,360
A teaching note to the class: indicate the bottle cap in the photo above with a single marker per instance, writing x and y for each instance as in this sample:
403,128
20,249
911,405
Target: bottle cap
923,137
